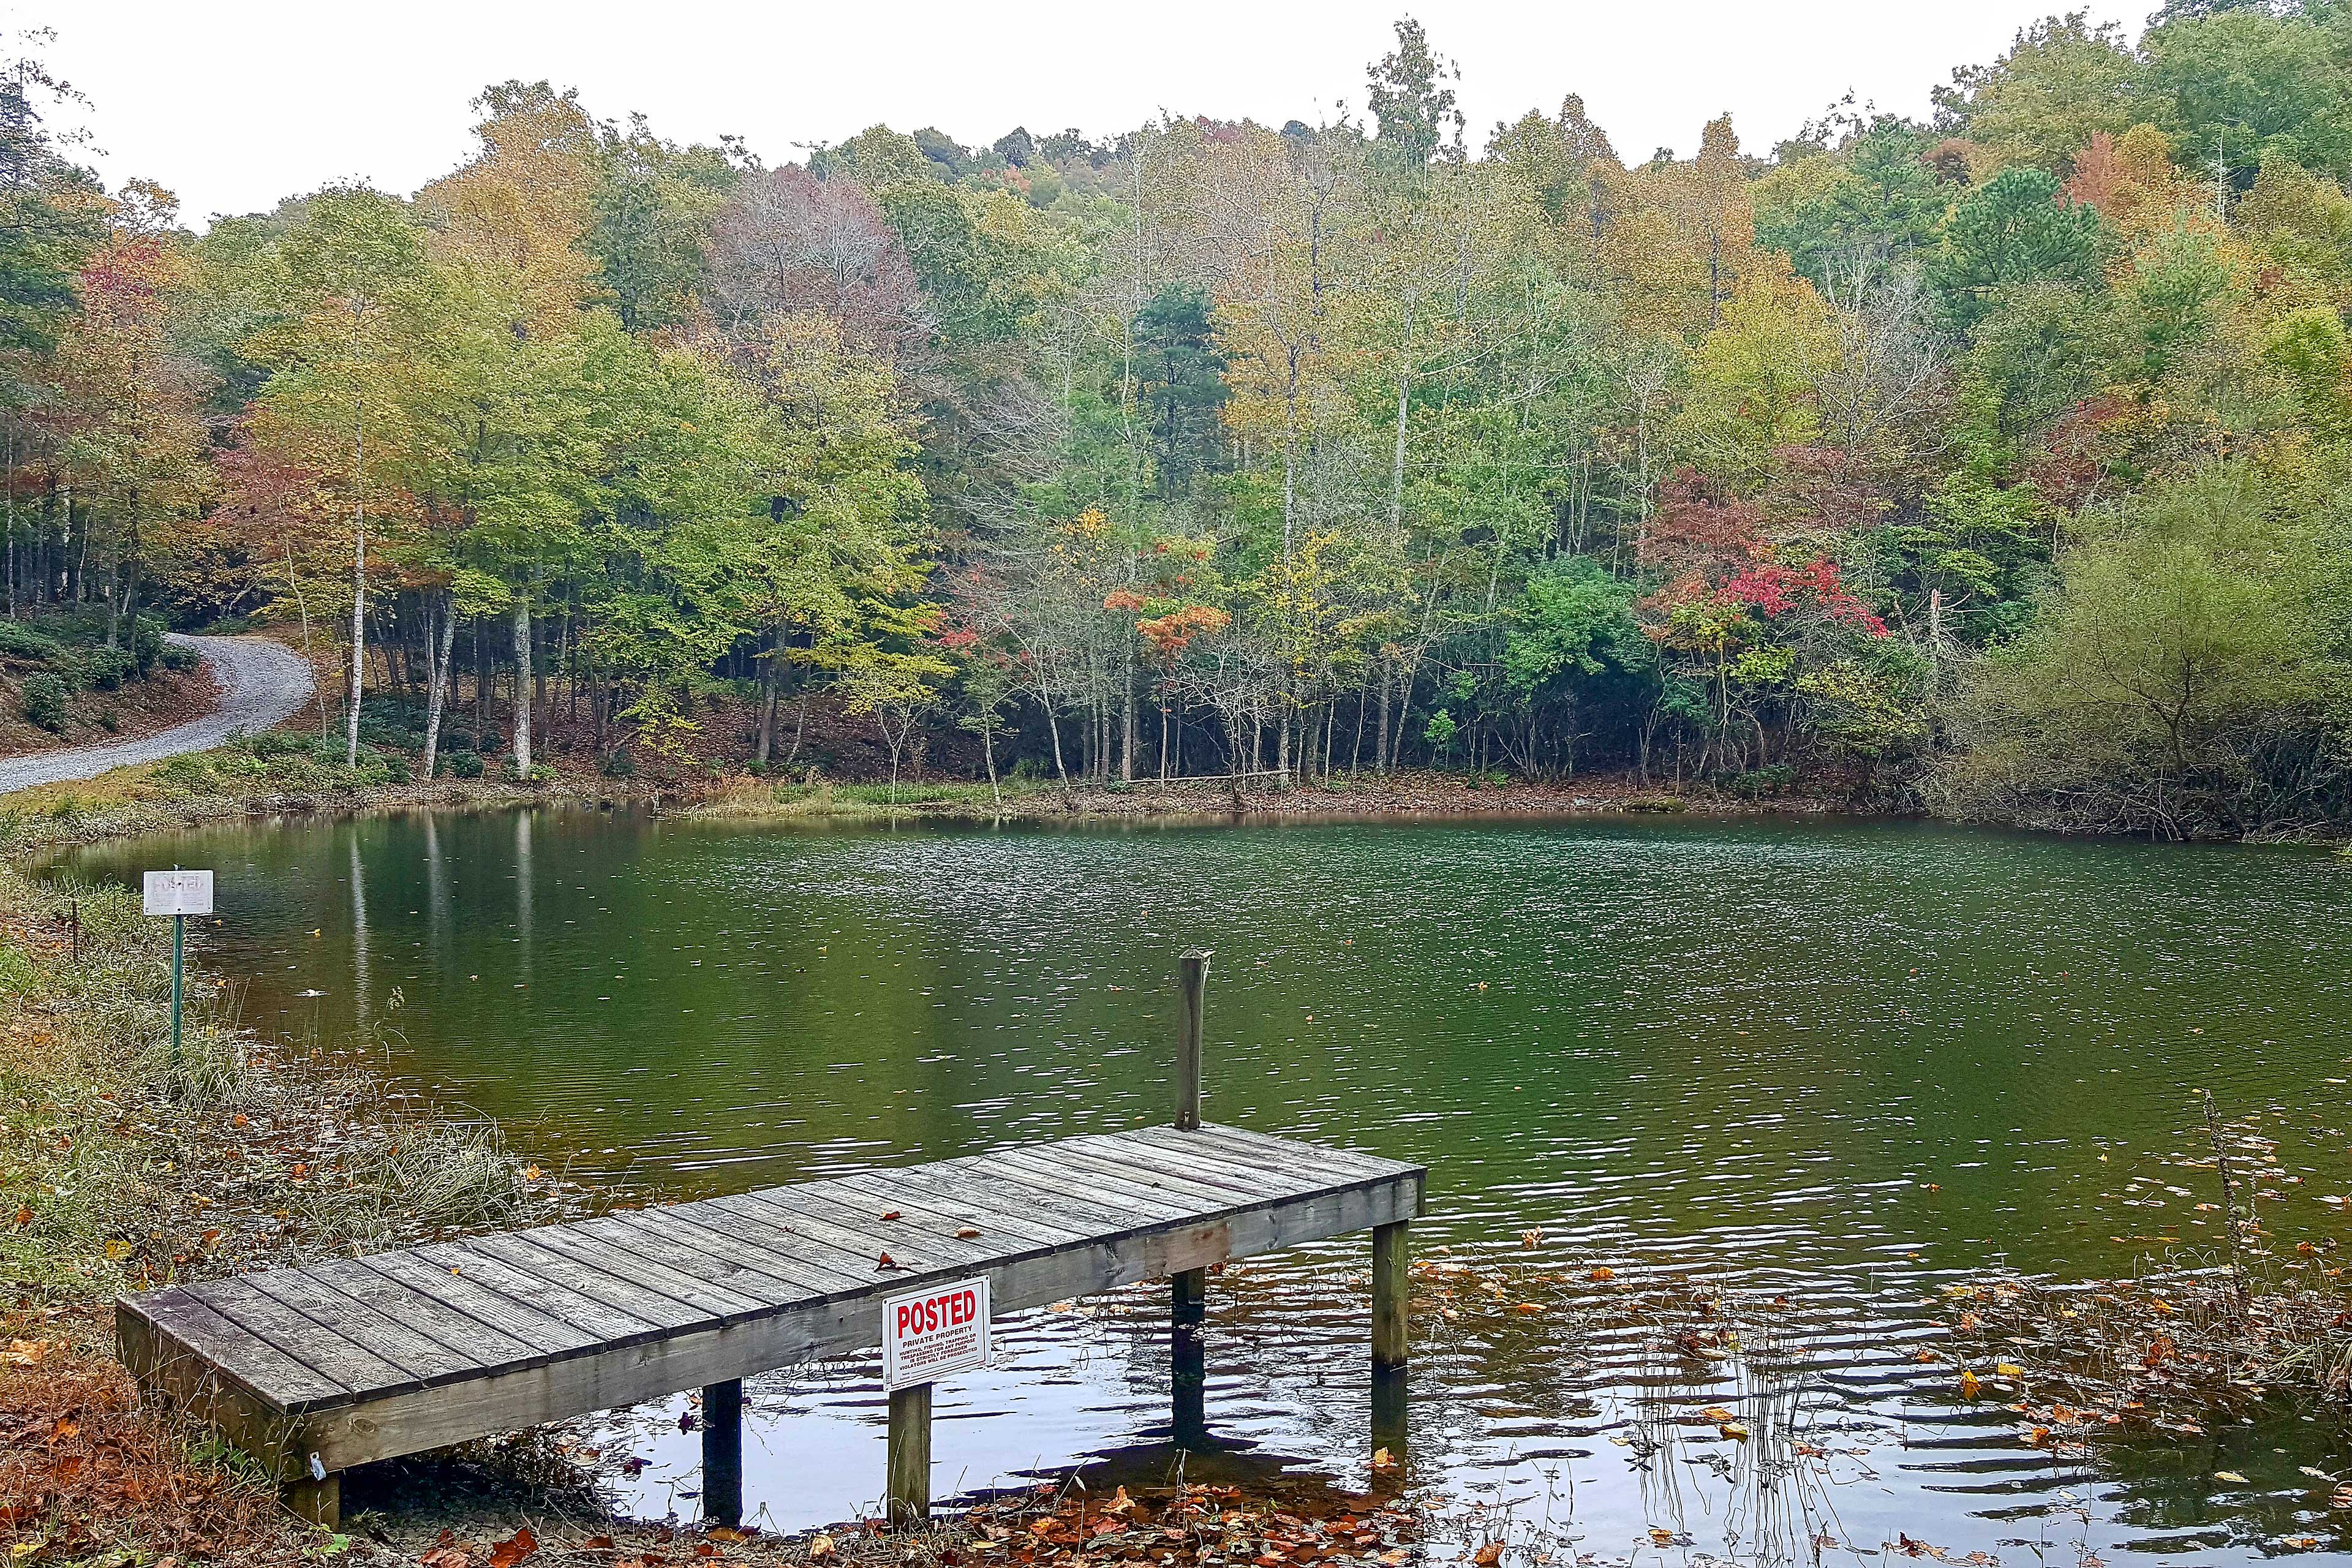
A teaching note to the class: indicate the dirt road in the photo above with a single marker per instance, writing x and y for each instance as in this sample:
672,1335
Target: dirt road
261,684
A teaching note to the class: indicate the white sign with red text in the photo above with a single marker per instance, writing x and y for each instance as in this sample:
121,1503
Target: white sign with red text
929,1335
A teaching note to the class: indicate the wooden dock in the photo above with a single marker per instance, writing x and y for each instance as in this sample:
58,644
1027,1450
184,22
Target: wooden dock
316,1369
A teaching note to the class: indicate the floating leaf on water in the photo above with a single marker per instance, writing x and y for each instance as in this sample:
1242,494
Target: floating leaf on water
2233,1477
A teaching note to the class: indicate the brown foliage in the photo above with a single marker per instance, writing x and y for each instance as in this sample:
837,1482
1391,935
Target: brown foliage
83,1469
791,244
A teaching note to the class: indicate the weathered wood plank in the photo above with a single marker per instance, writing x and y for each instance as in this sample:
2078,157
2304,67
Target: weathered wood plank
961,1202
774,1228
191,1329
1339,1160
623,1254
1239,1145
470,1297
663,1313
691,1225
924,1246
354,1367
1204,1168
422,1312
1116,1191
1196,1193
728,1286
604,1321
422,1357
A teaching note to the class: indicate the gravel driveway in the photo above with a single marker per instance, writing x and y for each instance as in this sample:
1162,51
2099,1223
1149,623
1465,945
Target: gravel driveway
262,683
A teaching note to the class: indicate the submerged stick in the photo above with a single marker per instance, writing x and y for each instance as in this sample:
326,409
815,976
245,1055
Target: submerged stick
2229,1198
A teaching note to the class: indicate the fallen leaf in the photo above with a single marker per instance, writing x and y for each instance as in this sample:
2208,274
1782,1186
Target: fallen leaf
2233,1477
522,1543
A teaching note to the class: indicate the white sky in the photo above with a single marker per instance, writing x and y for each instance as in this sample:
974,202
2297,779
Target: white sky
235,105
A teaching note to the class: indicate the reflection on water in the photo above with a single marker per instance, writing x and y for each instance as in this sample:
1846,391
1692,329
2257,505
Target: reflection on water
1834,1067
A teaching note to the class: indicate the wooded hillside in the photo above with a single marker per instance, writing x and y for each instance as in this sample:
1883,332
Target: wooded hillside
1996,462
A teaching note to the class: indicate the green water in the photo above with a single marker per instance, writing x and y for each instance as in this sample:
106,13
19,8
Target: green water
1841,1064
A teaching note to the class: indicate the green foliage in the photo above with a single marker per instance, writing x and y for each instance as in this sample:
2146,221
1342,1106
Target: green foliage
1877,203
2164,685
2244,82
2017,229
2064,80
45,697
20,641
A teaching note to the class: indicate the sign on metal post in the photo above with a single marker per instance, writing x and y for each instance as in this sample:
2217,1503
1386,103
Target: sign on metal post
929,1335
179,892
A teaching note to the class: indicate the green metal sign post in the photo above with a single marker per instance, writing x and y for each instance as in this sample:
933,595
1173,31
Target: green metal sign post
178,894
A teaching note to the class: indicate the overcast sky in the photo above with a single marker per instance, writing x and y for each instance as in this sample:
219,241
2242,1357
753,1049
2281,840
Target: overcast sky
236,105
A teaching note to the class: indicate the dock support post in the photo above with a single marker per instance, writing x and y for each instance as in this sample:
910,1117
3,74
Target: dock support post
722,1453
907,1498
1193,985
1188,1305
317,1501
1392,1283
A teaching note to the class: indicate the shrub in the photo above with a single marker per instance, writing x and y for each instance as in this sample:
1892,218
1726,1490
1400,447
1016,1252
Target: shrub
621,765
175,657
106,669
466,764
45,700
277,743
109,721
18,640
190,770
396,769
146,642
1756,783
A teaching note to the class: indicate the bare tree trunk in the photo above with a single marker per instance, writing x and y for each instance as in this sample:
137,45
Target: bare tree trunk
1053,728
522,685
359,629
436,665
767,681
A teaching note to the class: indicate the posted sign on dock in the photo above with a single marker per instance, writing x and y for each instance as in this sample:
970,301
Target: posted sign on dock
929,1335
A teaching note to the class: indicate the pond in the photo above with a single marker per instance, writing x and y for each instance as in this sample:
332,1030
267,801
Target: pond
1837,1065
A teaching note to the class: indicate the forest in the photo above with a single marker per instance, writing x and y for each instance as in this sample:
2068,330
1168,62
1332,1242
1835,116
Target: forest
1993,463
